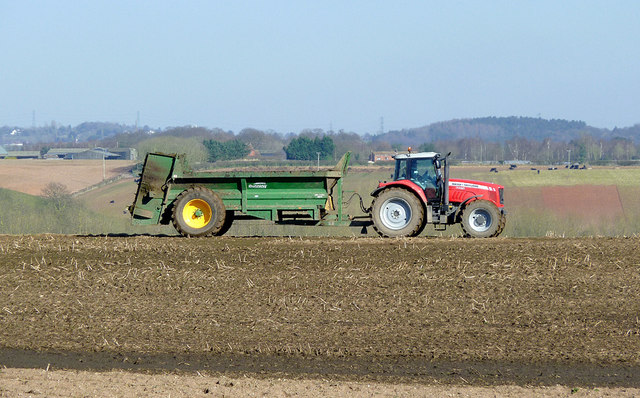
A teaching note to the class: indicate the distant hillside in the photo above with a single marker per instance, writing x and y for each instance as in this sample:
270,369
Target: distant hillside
488,129
499,129
84,132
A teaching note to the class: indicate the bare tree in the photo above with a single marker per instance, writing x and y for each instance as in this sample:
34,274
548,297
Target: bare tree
58,194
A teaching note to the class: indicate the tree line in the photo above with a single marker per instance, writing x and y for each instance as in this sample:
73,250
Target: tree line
475,140
585,149
330,146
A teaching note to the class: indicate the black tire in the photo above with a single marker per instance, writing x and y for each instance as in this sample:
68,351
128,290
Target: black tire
228,220
198,212
481,219
397,212
503,222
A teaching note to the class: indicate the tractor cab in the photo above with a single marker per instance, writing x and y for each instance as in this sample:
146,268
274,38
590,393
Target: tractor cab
423,169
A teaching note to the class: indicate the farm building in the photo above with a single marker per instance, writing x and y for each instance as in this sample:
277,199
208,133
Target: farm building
279,155
382,156
90,153
61,153
516,161
125,153
73,153
95,153
22,155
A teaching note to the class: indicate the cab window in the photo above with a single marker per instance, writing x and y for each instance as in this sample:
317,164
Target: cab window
401,170
423,173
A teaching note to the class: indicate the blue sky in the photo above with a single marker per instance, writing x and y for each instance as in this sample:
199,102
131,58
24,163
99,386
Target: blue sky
290,65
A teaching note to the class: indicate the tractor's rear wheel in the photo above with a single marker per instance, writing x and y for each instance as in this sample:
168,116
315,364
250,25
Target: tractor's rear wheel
198,212
397,212
481,219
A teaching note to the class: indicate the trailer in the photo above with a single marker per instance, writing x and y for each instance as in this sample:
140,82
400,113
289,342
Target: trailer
202,203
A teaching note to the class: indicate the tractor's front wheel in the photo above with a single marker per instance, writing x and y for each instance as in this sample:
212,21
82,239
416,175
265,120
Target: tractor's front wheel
198,212
501,224
397,212
482,219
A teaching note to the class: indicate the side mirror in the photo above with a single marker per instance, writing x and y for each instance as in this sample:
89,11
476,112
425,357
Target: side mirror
437,162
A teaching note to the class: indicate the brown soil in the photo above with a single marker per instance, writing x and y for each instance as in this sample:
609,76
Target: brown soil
31,176
418,311
40,382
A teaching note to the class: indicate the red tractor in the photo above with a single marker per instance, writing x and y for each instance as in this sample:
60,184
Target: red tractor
421,193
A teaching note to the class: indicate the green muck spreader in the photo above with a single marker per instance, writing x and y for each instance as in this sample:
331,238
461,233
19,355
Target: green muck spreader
205,202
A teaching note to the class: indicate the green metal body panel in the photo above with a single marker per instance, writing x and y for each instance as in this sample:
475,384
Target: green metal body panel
269,195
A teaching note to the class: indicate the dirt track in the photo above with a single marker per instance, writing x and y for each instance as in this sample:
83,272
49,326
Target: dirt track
488,312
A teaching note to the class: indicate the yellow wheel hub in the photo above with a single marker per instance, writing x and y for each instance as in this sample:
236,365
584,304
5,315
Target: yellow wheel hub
197,213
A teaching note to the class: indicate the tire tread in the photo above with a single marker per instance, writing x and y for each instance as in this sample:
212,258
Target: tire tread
416,208
217,206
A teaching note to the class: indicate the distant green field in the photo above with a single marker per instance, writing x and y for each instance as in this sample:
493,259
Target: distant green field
26,214
528,214
522,176
111,202
21,213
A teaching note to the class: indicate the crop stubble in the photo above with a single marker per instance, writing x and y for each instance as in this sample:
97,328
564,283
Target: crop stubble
499,311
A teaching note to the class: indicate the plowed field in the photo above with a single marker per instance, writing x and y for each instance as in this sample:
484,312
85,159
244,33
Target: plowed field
426,311
31,176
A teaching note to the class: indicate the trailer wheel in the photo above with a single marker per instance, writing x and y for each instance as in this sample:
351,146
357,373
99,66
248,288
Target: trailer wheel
198,212
397,212
481,219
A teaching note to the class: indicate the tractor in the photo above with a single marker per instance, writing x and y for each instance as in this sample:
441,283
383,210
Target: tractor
421,193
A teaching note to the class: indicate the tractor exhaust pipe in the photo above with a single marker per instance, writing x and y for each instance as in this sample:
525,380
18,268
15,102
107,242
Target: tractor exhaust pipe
445,198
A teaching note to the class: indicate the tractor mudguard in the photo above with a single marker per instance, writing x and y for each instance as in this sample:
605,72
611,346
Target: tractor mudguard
456,216
406,184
